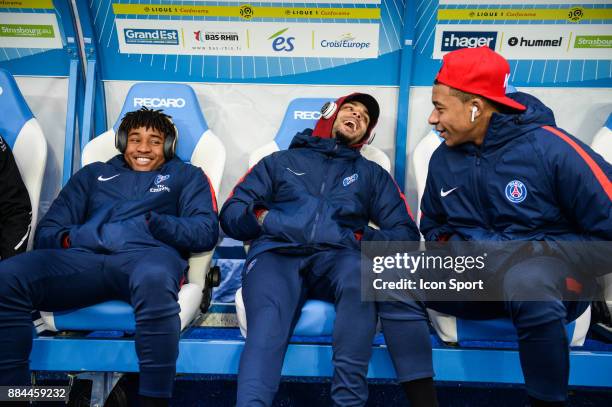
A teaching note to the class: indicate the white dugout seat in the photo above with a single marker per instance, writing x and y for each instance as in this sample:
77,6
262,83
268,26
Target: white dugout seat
602,145
25,137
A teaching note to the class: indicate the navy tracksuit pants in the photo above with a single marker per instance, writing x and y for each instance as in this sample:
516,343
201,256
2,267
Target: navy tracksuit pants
540,325
274,288
56,280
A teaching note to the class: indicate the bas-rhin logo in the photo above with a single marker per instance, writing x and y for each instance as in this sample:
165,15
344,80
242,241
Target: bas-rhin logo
198,36
454,40
203,36
282,43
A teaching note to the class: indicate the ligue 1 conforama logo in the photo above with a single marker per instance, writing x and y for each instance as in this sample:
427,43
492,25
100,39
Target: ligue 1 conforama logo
516,191
246,11
575,14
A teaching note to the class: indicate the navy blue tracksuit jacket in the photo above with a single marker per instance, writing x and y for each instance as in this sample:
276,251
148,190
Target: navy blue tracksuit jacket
107,207
529,180
318,193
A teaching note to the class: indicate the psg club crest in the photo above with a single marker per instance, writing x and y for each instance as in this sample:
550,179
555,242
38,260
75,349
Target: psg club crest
516,191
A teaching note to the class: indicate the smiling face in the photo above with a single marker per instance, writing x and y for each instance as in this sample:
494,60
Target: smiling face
351,123
452,115
145,149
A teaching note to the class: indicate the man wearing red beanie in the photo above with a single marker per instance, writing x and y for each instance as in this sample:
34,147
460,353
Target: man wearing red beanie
305,210
505,172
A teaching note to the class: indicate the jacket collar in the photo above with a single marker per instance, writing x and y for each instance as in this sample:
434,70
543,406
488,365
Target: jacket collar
120,164
327,146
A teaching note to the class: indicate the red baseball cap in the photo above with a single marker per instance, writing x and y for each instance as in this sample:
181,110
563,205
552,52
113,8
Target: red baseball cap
481,71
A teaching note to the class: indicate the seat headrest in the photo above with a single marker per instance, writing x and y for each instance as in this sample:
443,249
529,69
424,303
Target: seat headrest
302,113
177,100
14,108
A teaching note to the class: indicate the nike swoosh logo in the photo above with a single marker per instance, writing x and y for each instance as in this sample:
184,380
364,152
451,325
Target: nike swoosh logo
443,193
100,178
296,173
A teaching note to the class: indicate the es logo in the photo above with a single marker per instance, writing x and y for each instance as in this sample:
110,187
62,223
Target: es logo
280,43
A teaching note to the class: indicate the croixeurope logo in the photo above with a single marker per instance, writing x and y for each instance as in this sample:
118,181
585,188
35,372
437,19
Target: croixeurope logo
454,40
151,36
345,41
26,31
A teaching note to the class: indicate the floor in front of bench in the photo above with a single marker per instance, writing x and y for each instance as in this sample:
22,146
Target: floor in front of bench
220,391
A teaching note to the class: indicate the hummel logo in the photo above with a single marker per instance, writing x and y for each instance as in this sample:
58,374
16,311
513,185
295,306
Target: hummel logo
296,173
100,178
444,193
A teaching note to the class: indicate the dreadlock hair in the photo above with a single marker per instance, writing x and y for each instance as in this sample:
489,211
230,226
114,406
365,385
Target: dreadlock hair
148,118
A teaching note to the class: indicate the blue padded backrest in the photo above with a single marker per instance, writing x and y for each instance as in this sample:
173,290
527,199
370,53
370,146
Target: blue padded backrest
175,99
609,122
302,113
13,107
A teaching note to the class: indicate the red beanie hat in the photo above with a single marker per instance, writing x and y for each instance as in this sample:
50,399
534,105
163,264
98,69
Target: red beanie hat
324,125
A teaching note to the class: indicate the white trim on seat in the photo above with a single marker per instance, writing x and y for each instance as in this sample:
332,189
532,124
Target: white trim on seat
602,145
377,155
420,164
262,152
30,152
241,313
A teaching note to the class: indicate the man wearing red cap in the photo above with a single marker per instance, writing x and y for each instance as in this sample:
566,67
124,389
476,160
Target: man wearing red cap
305,210
505,172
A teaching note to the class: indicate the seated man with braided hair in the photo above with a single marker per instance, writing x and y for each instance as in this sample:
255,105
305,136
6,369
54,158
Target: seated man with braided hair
120,230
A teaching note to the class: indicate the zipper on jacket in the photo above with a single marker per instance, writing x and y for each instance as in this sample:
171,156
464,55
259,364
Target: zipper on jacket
321,191
477,188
